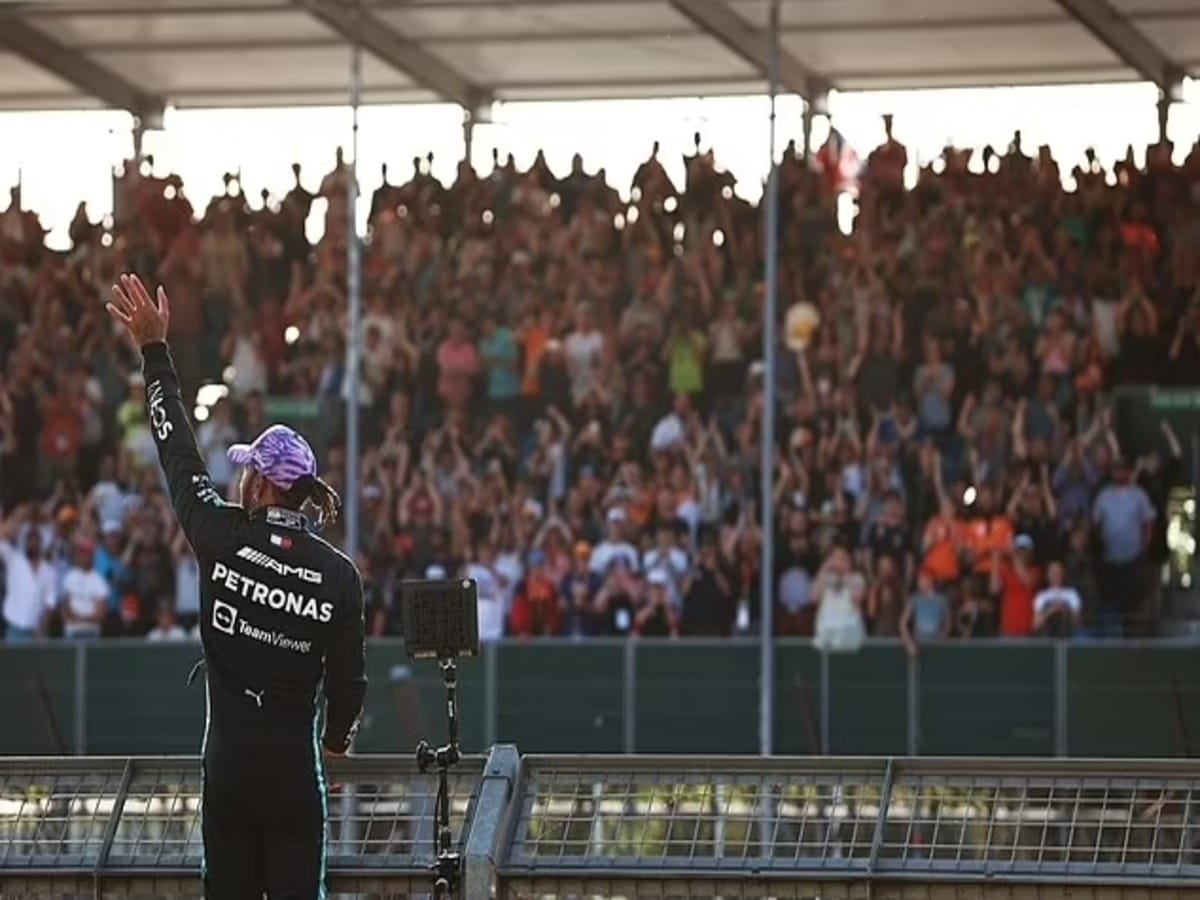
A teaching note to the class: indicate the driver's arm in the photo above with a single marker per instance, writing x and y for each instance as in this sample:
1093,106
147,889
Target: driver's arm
345,671
201,510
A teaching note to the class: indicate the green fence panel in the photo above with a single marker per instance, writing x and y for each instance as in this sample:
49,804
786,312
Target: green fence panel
138,698
868,702
987,699
406,702
560,697
37,699
1133,701
696,698
797,698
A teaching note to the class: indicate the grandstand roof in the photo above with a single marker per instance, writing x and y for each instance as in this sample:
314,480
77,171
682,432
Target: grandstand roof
142,54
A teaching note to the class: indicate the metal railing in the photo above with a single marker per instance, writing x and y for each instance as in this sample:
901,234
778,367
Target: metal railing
668,826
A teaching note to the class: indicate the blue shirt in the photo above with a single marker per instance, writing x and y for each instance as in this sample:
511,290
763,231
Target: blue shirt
500,355
928,613
1121,513
114,573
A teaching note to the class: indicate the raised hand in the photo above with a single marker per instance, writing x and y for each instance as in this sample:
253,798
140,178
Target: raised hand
145,320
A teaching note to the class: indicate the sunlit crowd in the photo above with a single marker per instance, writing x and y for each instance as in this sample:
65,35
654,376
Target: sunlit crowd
561,394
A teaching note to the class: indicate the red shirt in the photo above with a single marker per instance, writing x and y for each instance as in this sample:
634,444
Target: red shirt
535,607
1016,600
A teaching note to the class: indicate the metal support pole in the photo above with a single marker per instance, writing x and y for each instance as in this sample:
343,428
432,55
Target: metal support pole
766,709
1164,115
806,121
468,134
81,650
629,699
913,705
491,688
139,133
353,338
354,324
1061,699
826,704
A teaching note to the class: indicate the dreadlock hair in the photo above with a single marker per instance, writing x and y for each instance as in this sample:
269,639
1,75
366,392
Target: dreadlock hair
310,489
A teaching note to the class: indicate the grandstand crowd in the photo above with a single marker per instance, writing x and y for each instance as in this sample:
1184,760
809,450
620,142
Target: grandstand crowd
562,394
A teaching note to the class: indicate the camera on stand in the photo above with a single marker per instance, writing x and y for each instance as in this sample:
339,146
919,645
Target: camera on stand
441,621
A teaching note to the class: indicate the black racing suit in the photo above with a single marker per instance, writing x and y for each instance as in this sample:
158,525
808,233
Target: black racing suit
281,613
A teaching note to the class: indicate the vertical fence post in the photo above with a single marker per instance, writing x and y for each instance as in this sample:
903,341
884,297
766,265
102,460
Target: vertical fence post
80,689
914,706
1061,699
826,703
491,687
629,699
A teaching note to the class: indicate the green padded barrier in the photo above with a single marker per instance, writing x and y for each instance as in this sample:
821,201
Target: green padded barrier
697,698
986,699
138,698
1132,701
406,702
561,698
868,702
797,698
37,700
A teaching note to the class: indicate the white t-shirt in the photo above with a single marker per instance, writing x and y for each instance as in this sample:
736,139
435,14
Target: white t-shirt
490,602
606,551
508,566
584,352
81,592
29,590
674,562
110,500
1066,596
668,433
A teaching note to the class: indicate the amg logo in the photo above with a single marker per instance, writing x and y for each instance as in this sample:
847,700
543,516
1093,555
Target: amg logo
269,562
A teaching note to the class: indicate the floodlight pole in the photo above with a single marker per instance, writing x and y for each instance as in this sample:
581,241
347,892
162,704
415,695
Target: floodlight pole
766,710
354,304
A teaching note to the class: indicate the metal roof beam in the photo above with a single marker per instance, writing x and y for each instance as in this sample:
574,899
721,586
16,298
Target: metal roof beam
78,70
723,23
365,28
1128,43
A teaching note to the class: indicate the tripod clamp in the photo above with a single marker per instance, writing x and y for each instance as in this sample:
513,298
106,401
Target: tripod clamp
447,866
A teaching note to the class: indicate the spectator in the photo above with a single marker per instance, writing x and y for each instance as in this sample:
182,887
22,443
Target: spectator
537,608
656,616
85,595
1057,608
166,626
926,616
840,593
1014,582
1124,521
709,601
29,584
584,615
614,547
490,586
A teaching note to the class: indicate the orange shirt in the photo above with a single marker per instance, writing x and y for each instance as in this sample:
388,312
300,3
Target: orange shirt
942,537
534,343
982,535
